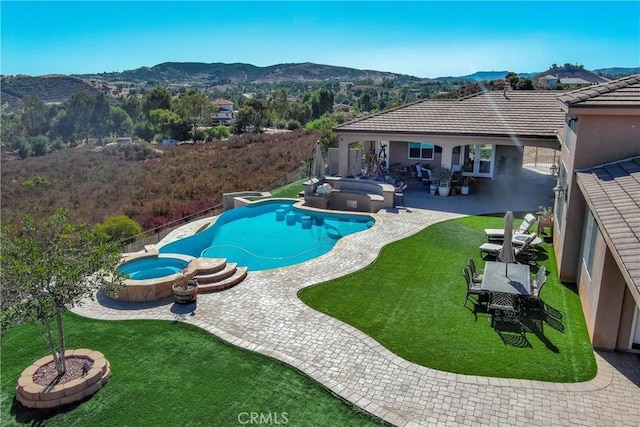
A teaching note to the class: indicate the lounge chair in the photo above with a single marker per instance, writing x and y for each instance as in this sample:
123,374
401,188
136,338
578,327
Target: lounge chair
524,251
525,228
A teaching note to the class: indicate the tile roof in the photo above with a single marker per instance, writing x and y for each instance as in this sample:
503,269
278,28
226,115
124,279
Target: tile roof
534,114
612,192
221,101
623,92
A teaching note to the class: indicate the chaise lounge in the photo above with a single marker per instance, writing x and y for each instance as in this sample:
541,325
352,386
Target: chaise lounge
525,228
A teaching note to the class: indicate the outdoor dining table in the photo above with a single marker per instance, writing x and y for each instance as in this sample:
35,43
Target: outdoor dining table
510,278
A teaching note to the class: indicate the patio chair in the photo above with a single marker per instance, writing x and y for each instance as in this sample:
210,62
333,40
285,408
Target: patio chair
526,252
475,276
541,279
472,288
524,228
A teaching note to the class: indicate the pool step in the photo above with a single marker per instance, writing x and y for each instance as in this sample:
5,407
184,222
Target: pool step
229,276
204,266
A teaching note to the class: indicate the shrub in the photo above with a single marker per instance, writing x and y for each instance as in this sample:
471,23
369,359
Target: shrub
119,228
293,125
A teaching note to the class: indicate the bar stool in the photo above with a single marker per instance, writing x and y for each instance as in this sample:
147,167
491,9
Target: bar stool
398,196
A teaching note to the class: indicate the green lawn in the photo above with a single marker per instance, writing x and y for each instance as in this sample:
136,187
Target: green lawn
171,374
411,301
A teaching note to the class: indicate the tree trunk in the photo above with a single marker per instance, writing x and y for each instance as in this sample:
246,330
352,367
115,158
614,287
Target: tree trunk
62,349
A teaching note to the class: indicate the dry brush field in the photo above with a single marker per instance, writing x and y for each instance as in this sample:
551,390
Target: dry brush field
184,180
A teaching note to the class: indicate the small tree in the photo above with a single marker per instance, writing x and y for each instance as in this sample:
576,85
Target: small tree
50,268
119,228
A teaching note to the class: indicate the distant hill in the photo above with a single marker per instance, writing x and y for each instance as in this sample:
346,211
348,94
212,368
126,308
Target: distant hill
617,72
220,73
572,71
58,88
481,76
53,88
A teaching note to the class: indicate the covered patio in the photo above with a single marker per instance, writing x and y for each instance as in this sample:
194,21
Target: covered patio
534,189
484,134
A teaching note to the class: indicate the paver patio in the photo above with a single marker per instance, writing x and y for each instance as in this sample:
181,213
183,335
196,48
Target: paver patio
263,314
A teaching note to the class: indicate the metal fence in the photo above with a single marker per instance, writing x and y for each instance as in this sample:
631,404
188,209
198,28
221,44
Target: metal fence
540,158
154,235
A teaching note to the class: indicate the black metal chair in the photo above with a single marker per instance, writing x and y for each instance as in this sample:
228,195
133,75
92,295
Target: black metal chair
472,288
475,276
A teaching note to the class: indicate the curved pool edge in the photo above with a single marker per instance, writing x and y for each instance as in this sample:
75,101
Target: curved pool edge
145,290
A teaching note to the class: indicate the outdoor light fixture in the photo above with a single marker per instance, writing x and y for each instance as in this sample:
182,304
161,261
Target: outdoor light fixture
559,190
553,169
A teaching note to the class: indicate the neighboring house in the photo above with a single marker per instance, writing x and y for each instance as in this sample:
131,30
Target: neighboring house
337,108
224,112
548,80
597,211
596,230
574,81
485,132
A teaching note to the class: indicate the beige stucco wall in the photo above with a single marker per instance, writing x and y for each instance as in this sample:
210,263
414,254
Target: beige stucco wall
607,321
626,321
601,137
589,287
607,303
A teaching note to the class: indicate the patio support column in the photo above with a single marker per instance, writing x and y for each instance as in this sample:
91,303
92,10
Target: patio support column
447,156
343,157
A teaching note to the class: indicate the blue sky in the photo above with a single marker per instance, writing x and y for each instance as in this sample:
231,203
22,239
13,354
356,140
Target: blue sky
420,38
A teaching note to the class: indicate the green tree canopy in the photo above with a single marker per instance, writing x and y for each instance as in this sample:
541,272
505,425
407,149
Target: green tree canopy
49,268
195,108
119,228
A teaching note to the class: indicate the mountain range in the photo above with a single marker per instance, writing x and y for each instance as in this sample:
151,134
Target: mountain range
57,88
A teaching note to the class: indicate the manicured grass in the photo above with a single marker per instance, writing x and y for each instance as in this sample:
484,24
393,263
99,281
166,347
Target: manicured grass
290,190
411,301
171,374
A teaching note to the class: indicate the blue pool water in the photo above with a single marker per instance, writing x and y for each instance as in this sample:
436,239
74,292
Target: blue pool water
269,234
152,267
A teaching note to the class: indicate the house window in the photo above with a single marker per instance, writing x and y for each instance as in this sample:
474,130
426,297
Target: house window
421,150
589,242
560,202
569,131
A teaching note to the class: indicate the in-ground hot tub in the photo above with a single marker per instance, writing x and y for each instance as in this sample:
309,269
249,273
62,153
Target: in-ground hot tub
152,267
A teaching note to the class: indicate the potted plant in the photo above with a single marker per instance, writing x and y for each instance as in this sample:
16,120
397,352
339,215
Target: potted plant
466,181
185,289
545,219
544,213
442,176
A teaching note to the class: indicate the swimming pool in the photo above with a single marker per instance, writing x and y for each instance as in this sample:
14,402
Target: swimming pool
270,234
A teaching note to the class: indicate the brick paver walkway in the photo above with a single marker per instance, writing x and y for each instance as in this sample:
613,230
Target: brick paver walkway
263,314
